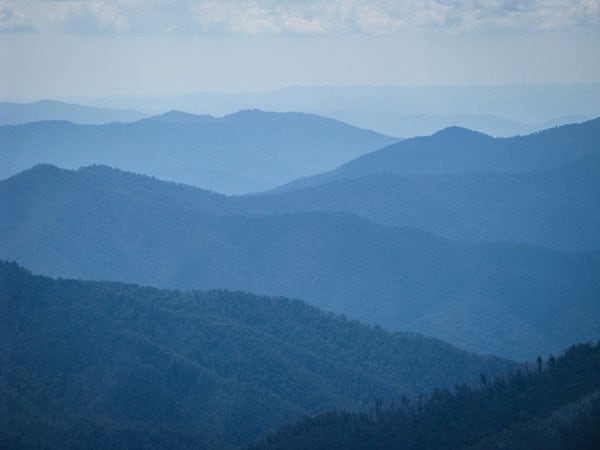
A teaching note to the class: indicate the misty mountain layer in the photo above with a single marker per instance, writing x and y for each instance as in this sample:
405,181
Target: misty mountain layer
502,110
455,151
20,113
98,223
247,151
556,208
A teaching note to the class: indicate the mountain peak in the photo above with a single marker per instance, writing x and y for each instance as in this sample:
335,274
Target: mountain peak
43,167
37,172
456,132
176,116
247,113
48,102
99,169
250,113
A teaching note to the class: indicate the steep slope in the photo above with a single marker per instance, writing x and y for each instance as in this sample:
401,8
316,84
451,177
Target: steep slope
97,365
19,113
557,407
88,224
555,209
460,151
243,152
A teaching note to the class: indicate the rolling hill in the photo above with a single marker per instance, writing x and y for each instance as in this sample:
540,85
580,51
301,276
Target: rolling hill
239,153
98,223
108,365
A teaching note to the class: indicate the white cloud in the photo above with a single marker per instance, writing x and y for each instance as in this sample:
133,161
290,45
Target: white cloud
82,16
12,19
258,17
389,17
525,14
252,17
89,16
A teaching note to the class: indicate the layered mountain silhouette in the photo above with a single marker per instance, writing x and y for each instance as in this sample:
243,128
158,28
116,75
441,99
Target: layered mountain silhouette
555,208
20,113
542,189
423,124
109,365
98,223
461,151
506,110
239,153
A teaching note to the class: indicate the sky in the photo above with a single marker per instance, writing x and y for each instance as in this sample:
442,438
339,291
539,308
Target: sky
77,48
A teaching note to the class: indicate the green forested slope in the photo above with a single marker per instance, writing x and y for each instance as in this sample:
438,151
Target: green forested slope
97,365
554,406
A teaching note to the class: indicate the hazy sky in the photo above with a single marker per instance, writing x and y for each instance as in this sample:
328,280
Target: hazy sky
61,49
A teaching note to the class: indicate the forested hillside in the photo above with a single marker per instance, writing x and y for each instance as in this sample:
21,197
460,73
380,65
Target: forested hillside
262,224
109,365
512,300
555,406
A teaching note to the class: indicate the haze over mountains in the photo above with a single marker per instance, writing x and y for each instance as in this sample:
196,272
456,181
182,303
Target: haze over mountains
244,152
18,113
101,365
457,150
497,111
258,224
543,189
489,244
501,110
97,223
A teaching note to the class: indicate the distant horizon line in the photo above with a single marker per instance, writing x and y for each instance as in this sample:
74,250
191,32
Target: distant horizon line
162,95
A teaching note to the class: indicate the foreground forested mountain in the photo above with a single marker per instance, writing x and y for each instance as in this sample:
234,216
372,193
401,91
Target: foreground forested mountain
460,151
108,365
97,223
556,407
242,152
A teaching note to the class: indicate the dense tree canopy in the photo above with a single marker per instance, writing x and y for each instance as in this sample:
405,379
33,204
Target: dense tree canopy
97,364
553,406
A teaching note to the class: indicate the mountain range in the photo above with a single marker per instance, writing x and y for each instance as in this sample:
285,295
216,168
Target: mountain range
244,152
502,110
20,113
109,365
456,150
98,223
556,208
542,189
490,246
